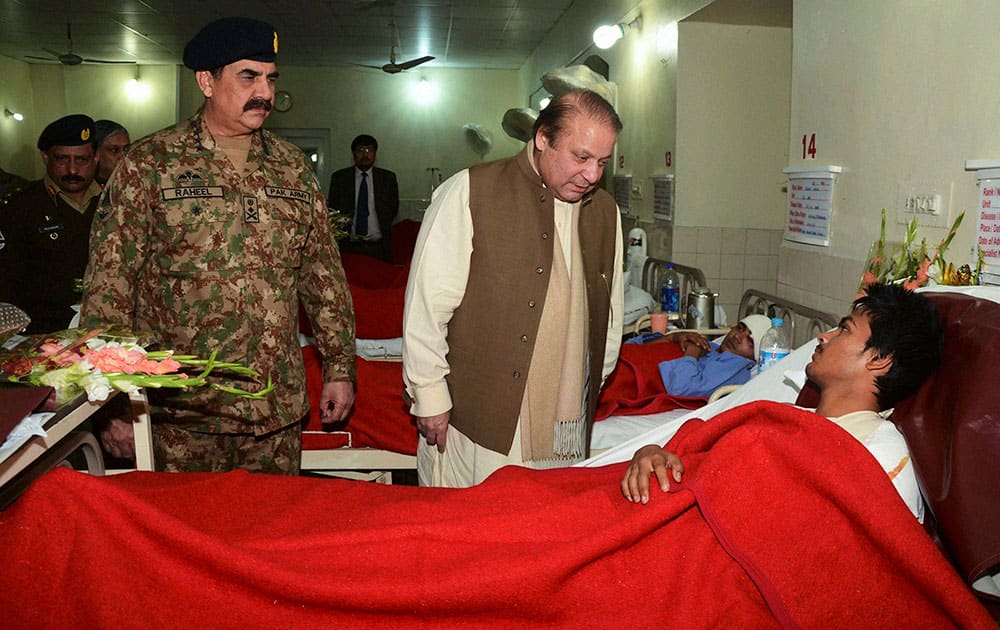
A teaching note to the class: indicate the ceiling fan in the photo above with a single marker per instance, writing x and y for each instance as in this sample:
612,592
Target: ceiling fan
69,58
392,67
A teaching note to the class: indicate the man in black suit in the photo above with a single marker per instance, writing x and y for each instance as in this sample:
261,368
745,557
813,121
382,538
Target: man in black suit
370,196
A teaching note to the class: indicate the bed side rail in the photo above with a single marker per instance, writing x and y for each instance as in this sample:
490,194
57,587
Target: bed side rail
652,277
804,322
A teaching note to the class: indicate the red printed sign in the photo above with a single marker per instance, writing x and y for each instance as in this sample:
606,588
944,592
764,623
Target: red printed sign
809,149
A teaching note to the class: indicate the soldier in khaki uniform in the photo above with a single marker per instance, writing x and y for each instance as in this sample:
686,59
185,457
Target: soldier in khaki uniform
209,234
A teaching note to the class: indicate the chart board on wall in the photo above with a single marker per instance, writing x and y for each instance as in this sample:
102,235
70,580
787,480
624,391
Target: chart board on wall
988,217
809,211
663,197
623,193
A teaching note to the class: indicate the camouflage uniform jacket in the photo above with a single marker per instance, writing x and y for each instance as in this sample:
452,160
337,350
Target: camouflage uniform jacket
206,259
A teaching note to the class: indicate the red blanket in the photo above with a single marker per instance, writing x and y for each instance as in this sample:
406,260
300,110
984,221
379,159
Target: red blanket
377,290
380,417
782,520
635,386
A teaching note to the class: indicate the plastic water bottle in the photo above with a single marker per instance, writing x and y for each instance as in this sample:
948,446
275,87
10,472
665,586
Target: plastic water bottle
670,293
774,345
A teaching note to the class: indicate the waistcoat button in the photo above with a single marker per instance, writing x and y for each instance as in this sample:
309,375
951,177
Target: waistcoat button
539,270
531,304
545,236
516,375
524,338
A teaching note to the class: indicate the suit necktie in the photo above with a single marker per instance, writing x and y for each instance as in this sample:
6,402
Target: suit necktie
361,219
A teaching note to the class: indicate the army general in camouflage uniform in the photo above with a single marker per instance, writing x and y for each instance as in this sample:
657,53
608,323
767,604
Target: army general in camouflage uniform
209,234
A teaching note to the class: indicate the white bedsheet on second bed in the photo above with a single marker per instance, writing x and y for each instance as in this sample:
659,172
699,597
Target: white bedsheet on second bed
622,435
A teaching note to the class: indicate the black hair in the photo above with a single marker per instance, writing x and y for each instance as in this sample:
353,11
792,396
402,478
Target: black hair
906,326
364,140
551,119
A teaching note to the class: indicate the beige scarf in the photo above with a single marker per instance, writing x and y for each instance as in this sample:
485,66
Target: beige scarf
553,425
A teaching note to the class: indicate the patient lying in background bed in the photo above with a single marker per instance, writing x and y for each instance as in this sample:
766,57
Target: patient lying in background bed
707,365
675,372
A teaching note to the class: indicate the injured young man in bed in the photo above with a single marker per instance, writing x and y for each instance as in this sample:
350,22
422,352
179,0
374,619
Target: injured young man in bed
879,354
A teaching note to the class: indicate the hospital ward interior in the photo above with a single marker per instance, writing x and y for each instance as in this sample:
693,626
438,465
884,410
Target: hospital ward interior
776,158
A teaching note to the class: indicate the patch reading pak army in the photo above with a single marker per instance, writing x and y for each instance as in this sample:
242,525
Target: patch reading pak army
288,193
251,214
190,192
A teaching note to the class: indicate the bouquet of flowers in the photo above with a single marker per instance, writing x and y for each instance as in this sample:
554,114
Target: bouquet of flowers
910,263
98,361
340,224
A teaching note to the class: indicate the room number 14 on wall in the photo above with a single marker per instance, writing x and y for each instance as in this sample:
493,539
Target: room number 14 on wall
808,146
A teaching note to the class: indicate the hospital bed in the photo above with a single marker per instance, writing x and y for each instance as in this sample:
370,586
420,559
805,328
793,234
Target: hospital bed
782,520
378,436
950,426
804,323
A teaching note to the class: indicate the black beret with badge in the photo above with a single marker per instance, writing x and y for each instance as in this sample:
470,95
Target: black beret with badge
69,131
226,40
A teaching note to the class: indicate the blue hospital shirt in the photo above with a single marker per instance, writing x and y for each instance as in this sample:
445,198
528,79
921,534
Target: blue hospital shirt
700,377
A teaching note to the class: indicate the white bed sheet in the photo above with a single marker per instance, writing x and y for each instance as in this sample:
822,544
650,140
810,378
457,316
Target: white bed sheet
614,430
778,384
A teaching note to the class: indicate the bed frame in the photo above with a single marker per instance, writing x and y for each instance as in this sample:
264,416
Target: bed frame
652,277
803,322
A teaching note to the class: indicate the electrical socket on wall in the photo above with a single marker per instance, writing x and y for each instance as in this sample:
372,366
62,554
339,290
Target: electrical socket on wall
930,204
637,190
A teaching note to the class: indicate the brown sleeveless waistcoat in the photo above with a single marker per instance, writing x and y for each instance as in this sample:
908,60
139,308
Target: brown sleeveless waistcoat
492,333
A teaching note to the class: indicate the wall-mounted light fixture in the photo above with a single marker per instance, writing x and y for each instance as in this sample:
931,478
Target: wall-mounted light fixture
606,36
136,89
542,104
424,91
15,115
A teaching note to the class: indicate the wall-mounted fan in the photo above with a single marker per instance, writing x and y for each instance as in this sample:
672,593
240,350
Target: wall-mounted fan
70,58
392,67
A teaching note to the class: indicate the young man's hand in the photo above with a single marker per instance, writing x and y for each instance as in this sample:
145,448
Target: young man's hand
648,460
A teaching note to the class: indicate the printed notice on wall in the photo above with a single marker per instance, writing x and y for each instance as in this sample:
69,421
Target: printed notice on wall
663,197
623,192
810,205
988,229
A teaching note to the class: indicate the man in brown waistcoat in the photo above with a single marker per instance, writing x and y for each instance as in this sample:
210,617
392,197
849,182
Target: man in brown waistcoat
514,303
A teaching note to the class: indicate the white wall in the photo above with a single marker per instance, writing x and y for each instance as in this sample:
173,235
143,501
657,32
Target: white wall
49,91
732,138
900,92
17,139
